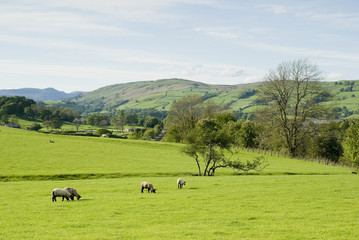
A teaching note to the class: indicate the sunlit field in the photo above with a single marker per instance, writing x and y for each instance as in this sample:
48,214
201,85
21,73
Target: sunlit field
290,199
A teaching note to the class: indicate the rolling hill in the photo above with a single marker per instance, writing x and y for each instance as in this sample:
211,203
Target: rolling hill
159,95
38,94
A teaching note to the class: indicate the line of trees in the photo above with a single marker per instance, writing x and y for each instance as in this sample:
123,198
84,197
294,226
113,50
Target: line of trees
291,121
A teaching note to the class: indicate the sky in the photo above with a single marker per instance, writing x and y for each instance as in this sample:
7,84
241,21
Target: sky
83,45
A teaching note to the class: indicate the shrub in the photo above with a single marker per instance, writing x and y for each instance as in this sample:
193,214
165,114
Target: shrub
149,134
34,127
101,131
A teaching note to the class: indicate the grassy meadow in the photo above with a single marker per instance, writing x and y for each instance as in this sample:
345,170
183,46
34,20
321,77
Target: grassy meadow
290,199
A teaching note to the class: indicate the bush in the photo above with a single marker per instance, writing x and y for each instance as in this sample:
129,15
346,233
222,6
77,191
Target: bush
149,134
101,131
137,134
34,127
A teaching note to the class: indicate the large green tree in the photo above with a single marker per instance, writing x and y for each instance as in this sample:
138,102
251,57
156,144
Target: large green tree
290,90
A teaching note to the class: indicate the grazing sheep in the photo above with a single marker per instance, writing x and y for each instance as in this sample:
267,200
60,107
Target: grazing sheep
180,183
51,141
57,192
149,186
73,191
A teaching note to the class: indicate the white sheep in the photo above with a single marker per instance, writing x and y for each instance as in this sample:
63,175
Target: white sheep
148,186
180,183
57,192
73,191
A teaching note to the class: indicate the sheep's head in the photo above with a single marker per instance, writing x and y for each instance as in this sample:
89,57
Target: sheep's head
184,183
78,197
153,190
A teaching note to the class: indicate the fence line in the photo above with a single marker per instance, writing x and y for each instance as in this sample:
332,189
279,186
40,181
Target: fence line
303,158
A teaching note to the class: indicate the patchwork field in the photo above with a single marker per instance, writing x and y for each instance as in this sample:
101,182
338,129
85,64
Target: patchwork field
290,199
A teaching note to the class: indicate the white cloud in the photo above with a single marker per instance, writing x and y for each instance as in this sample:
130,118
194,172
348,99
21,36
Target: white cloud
232,72
334,76
277,9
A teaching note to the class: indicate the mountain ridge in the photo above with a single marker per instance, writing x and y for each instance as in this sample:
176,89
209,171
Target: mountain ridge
38,94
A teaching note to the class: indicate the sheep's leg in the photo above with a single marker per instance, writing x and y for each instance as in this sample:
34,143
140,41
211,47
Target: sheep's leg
63,198
148,190
53,198
142,189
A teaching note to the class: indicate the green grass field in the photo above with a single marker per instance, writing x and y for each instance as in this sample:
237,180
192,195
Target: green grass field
290,199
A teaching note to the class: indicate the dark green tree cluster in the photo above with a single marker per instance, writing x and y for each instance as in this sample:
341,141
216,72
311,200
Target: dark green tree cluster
13,106
51,116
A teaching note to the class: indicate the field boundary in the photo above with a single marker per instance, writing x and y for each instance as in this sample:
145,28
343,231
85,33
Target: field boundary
89,176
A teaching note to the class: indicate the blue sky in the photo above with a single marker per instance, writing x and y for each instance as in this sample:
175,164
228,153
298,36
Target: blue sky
86,44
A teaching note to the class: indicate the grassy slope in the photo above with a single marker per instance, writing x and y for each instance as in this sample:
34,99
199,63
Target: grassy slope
34,155
320,204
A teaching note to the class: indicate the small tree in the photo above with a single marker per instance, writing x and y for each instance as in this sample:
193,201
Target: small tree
207,143
211,144
78,122
120,121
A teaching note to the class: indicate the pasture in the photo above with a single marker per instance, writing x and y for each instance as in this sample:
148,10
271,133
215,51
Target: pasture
290,199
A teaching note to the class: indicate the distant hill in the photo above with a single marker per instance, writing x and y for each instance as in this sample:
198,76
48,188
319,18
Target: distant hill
160,94
38,94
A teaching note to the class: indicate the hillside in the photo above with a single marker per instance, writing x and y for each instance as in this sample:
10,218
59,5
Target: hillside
160,94
38,94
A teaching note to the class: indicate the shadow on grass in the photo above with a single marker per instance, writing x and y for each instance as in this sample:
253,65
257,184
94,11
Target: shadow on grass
88,176
82,176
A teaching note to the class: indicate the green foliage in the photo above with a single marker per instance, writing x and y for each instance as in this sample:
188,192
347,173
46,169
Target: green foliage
97,120
103,131
149,134
207,144
326,142
257,164
34,127
131,119
247,135
151,122
351,144
15,105
137,134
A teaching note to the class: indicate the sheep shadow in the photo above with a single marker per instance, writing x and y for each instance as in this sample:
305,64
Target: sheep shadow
85,199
